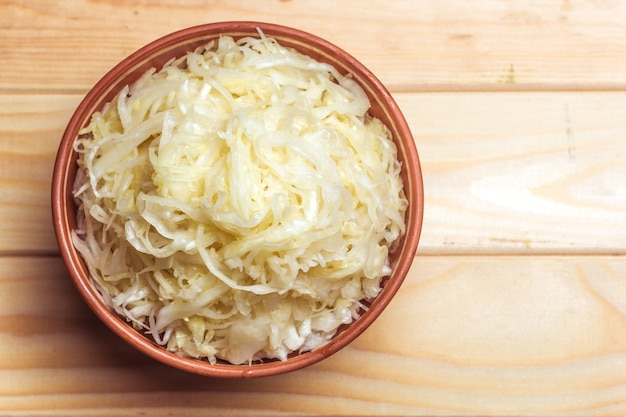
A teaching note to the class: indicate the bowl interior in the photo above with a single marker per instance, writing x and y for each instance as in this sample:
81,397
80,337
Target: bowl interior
155,55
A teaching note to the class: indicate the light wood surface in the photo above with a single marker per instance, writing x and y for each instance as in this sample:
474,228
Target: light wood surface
516,301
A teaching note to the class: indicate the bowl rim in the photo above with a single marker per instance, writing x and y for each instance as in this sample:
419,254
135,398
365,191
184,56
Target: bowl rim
62,200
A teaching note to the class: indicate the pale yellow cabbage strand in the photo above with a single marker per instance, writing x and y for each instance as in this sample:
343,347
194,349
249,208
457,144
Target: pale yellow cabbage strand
238,204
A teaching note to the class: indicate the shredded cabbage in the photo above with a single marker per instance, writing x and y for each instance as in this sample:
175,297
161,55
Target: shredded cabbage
240,203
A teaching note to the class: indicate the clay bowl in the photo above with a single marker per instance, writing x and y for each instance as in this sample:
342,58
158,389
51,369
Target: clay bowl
177,44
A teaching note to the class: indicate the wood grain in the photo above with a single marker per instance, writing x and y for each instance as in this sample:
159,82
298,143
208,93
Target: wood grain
465,335
515,304
31,127
409,45
508,172
523,172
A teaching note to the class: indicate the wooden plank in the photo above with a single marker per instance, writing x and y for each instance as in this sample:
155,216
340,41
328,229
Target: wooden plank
550,162
521,172
424,45
466,335
31,127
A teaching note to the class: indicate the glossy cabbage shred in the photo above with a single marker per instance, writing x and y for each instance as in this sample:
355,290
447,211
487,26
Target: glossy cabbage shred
240,203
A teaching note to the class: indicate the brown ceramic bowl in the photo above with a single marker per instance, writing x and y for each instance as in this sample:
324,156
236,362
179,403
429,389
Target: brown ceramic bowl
177,44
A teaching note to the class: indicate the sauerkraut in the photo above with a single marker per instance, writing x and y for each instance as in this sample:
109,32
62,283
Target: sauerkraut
240,203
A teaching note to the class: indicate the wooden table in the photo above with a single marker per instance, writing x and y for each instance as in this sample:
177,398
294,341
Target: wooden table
516,301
